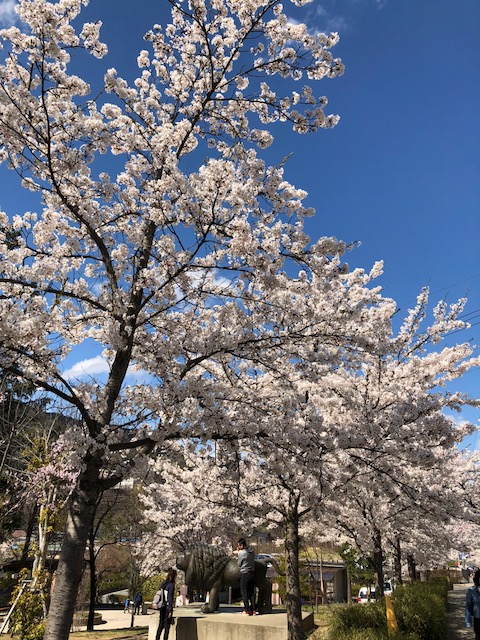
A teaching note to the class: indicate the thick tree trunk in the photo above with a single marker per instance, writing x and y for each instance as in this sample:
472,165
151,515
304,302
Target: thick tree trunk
412,567
397,561
294,604
68,575
93,580
377,562
321,580
349,585
32,520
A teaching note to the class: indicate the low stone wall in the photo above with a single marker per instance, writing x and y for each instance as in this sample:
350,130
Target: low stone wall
227,624
80,618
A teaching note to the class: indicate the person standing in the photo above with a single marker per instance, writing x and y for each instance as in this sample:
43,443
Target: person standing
182,598
472,605
137,603
166,610
246,562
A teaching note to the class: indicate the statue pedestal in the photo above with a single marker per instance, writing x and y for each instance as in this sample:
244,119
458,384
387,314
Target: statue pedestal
226,624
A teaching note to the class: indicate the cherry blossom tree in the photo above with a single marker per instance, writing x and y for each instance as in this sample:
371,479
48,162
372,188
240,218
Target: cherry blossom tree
284,461
356,460
162,258
424,530
466,476
198,499
395,437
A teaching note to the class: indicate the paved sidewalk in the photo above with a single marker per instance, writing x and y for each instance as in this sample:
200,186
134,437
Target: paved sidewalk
117,619
456,629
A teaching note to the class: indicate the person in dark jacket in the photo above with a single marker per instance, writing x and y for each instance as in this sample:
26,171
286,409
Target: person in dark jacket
137,603
166,611
246,562
472,605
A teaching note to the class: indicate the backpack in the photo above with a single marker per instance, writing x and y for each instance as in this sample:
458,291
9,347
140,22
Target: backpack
160,599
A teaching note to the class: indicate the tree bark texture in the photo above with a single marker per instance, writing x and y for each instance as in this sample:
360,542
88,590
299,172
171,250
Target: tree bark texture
377,562
32,520
349,585
294,604
93,580
397,561
412,567
72,557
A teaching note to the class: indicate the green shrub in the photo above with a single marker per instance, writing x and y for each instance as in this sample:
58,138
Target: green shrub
441,585
7,585
113,582
355,617
420,608
373,634
360,634
152,585
27,619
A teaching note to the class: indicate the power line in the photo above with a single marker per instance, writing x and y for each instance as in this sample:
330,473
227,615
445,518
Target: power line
470,313
455,284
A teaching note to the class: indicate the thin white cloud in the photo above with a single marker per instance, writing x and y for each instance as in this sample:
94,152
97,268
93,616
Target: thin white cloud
337,24
8,15
98,365
89,367
326,19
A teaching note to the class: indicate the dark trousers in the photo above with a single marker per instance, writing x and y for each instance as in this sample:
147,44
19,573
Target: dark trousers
476,628
165,622
247,589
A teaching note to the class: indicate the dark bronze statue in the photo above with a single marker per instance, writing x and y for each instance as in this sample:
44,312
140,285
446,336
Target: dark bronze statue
209,568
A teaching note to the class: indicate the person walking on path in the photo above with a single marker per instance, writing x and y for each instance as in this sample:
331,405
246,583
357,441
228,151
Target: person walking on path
166,610
246,562
472,605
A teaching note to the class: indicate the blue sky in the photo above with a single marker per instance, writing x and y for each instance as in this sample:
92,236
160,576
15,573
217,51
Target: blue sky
401,171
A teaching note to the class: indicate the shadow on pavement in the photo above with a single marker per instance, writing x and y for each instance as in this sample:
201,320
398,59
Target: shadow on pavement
456,629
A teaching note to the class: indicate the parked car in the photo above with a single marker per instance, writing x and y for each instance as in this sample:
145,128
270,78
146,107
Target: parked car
387,588
264,556
366,594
